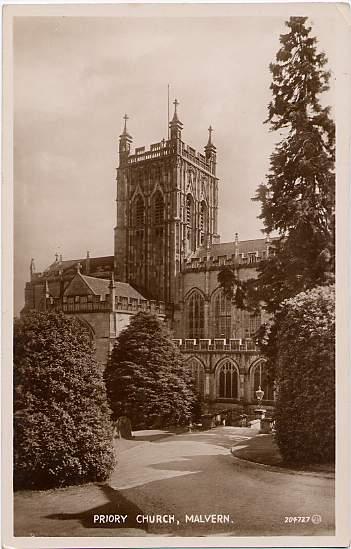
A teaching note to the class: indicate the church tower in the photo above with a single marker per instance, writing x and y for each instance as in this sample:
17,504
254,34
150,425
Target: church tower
167,201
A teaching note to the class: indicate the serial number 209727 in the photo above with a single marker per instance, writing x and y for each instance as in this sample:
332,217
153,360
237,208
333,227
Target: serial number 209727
297,519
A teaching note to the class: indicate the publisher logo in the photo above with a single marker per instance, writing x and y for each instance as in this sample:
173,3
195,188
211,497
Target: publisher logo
316,519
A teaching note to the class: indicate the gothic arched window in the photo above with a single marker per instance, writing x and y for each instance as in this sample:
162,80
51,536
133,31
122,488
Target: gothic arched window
195,316
203,220
139,212
222,315
189,210
252,322
261,379
158,207
198,375
189,220
227,380
203,217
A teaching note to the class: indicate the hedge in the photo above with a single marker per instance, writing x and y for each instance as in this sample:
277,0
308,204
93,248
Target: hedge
305,414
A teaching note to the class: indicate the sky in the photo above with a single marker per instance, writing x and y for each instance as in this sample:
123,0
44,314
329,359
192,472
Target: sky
76,77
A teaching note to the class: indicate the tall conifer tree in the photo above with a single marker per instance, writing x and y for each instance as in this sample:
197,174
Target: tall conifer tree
298,197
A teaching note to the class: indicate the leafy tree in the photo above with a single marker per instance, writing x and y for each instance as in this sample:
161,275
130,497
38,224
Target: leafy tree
146,377
234,288
63,433
305,412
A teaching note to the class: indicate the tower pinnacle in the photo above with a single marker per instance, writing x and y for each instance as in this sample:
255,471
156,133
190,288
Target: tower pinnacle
210,130
175,125
210,151
125,140
125,118
175,116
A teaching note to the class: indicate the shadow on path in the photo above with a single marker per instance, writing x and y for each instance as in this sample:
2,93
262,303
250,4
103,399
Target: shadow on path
152,437
117,505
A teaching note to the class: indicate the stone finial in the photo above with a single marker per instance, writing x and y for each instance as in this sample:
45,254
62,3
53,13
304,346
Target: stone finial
210,130
56,257
175,125
32,267
78,267
175,116
87,263
112,288
112,281
125,140
210,152
125,118
46,289
236,245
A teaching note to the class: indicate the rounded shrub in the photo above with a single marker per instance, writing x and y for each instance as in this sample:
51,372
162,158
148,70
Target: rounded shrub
146,377
305,414
62,427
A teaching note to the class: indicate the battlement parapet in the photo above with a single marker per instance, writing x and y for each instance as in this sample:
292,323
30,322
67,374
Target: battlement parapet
135,305
194,345
246,259
197,158
157,150
95,303
166,148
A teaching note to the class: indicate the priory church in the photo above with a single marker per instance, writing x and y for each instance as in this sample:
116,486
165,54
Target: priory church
167,256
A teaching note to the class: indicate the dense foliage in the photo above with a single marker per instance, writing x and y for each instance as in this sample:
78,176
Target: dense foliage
298,196
305,413
146,377
63,433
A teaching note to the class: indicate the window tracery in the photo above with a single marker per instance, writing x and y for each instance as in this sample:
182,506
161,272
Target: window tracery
227,380
222,315
158,209
198,375
139,212
195,316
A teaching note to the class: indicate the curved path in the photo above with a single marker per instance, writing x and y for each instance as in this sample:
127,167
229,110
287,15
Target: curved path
192,474
195,474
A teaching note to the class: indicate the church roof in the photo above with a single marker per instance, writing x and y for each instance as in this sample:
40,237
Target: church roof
100,286
89,285
228,248
97,265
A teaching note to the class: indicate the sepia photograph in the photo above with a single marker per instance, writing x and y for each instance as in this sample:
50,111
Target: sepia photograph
174,367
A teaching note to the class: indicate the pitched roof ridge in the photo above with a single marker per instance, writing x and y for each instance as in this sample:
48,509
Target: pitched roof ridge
85,282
